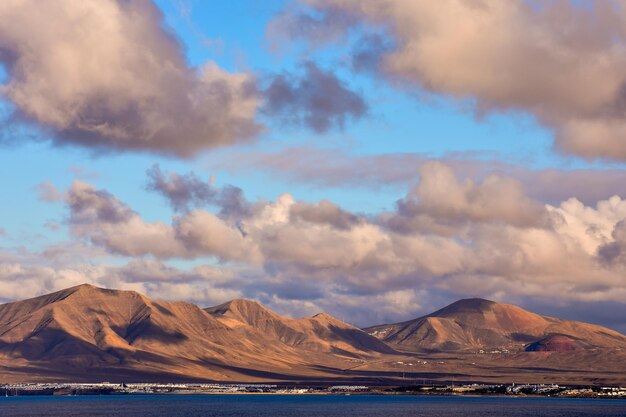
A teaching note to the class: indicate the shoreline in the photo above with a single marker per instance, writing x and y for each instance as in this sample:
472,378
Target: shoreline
318,394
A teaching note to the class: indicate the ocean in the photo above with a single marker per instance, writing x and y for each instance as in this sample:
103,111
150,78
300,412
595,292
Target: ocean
305,406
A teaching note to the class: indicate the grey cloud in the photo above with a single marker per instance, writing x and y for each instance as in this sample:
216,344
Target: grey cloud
337,167
615,251
181,191
605,313
321,26
186,191
114,78
316,99
326,167
233,203
149,270
587,185
286,288
369,52
88,205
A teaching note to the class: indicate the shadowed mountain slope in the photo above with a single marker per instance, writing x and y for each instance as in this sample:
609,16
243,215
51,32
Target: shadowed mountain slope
475,324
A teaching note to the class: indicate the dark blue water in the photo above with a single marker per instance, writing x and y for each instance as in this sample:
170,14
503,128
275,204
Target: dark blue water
305,406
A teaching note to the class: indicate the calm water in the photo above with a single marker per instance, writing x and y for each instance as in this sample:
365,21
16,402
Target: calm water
304,406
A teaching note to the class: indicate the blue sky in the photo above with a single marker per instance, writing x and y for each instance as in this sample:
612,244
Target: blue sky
397,124
417,119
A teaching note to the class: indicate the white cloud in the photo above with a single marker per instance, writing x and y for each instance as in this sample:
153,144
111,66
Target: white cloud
106,74
562,62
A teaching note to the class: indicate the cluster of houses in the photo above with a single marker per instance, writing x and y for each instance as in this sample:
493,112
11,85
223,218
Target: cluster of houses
551,390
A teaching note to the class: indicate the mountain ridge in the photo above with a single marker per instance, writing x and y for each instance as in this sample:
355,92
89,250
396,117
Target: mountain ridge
86,327
91,333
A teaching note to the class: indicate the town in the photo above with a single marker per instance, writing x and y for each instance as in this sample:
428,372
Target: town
108,388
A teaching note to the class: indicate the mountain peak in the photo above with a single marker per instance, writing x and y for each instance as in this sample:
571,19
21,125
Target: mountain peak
83,288
238,304
475,323
467,305
92,290
328,318
244,302
323,316
247,311
53,297
84,285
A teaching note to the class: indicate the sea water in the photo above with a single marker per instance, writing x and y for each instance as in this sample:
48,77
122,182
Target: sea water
258,405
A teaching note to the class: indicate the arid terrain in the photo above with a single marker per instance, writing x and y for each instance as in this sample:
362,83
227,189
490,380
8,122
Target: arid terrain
87,333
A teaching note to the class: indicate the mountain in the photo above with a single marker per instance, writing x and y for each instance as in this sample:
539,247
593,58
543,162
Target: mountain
86,331
476,324
320,333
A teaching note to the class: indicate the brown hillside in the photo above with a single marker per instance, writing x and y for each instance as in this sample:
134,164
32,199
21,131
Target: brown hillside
475,324
85,329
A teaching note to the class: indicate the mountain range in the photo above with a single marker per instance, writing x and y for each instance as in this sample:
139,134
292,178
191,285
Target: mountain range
85,333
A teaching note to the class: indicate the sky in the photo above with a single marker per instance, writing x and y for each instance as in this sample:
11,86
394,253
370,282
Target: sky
372,159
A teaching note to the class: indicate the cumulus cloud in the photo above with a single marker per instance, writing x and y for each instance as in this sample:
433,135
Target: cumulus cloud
449,235
204,233
19,282
480,238
477,239
562,61
109,75
440,199
105,221
316,99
